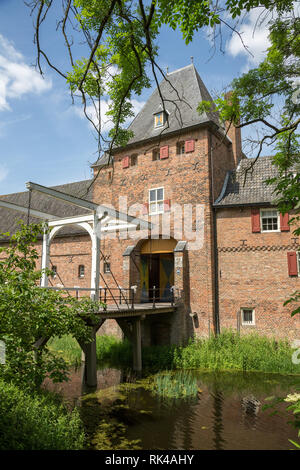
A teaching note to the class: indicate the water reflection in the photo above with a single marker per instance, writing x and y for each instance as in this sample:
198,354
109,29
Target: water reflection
217,413
250,409
225,413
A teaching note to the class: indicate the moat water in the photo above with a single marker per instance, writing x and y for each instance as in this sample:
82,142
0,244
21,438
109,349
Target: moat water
209,411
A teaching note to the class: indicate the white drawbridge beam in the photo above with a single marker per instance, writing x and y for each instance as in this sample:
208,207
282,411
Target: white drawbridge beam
24,210
83,203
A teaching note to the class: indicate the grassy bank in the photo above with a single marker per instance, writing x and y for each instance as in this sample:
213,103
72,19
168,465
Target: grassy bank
37,422
230,351
225,352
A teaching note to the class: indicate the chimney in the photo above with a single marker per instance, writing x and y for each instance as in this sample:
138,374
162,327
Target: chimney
234,134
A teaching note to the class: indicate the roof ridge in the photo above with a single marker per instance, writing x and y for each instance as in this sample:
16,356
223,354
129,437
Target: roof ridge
252,189
182,90
181,68
54,186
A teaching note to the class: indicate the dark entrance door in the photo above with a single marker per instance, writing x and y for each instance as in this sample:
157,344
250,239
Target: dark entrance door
157,270
154,276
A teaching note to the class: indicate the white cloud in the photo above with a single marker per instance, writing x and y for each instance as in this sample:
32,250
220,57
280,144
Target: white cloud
3,172
16,77
255,36
106,123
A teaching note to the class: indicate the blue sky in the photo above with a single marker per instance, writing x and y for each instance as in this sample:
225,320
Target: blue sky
43,137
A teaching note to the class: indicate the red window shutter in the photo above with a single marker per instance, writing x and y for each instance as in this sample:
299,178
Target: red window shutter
284,222
125,162
292,263
255,219
164,152
189,146
167,205
145,209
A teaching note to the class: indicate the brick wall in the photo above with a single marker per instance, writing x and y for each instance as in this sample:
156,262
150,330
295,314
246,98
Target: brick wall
254,274
186,179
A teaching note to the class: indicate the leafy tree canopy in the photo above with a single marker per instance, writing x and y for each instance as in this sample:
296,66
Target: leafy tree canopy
268,95
120,48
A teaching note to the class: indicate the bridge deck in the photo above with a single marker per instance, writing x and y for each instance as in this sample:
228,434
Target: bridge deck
123,311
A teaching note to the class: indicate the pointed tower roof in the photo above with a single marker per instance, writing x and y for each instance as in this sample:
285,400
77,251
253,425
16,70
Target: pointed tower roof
182,91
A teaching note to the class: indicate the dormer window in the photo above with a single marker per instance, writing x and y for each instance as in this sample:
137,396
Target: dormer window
159,119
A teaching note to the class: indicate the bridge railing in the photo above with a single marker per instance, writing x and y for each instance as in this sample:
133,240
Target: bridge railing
121,297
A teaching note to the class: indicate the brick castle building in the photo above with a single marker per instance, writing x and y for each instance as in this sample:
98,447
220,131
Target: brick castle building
220,242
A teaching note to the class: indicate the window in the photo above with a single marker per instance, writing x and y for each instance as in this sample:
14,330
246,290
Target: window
133,160
156,201
248,317
81,270
180,148
155,155
269,220
107,268
159,119
54,272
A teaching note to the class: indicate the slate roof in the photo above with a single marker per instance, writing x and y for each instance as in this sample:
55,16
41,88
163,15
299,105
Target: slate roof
253,190
39,201
182,91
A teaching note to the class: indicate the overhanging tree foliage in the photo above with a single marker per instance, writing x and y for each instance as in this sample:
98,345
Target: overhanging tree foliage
119,51
29,314
269,96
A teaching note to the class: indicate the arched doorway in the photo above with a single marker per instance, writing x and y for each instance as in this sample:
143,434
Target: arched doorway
157,269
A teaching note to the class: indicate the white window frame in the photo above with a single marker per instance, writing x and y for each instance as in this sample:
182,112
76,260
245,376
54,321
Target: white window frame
261,223
179,146
156,201
245,323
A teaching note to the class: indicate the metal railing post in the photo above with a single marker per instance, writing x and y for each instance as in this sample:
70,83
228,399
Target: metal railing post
104,301
153,304
172,296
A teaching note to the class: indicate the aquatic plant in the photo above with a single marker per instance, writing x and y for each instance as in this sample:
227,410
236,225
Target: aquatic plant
107,413
182,384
